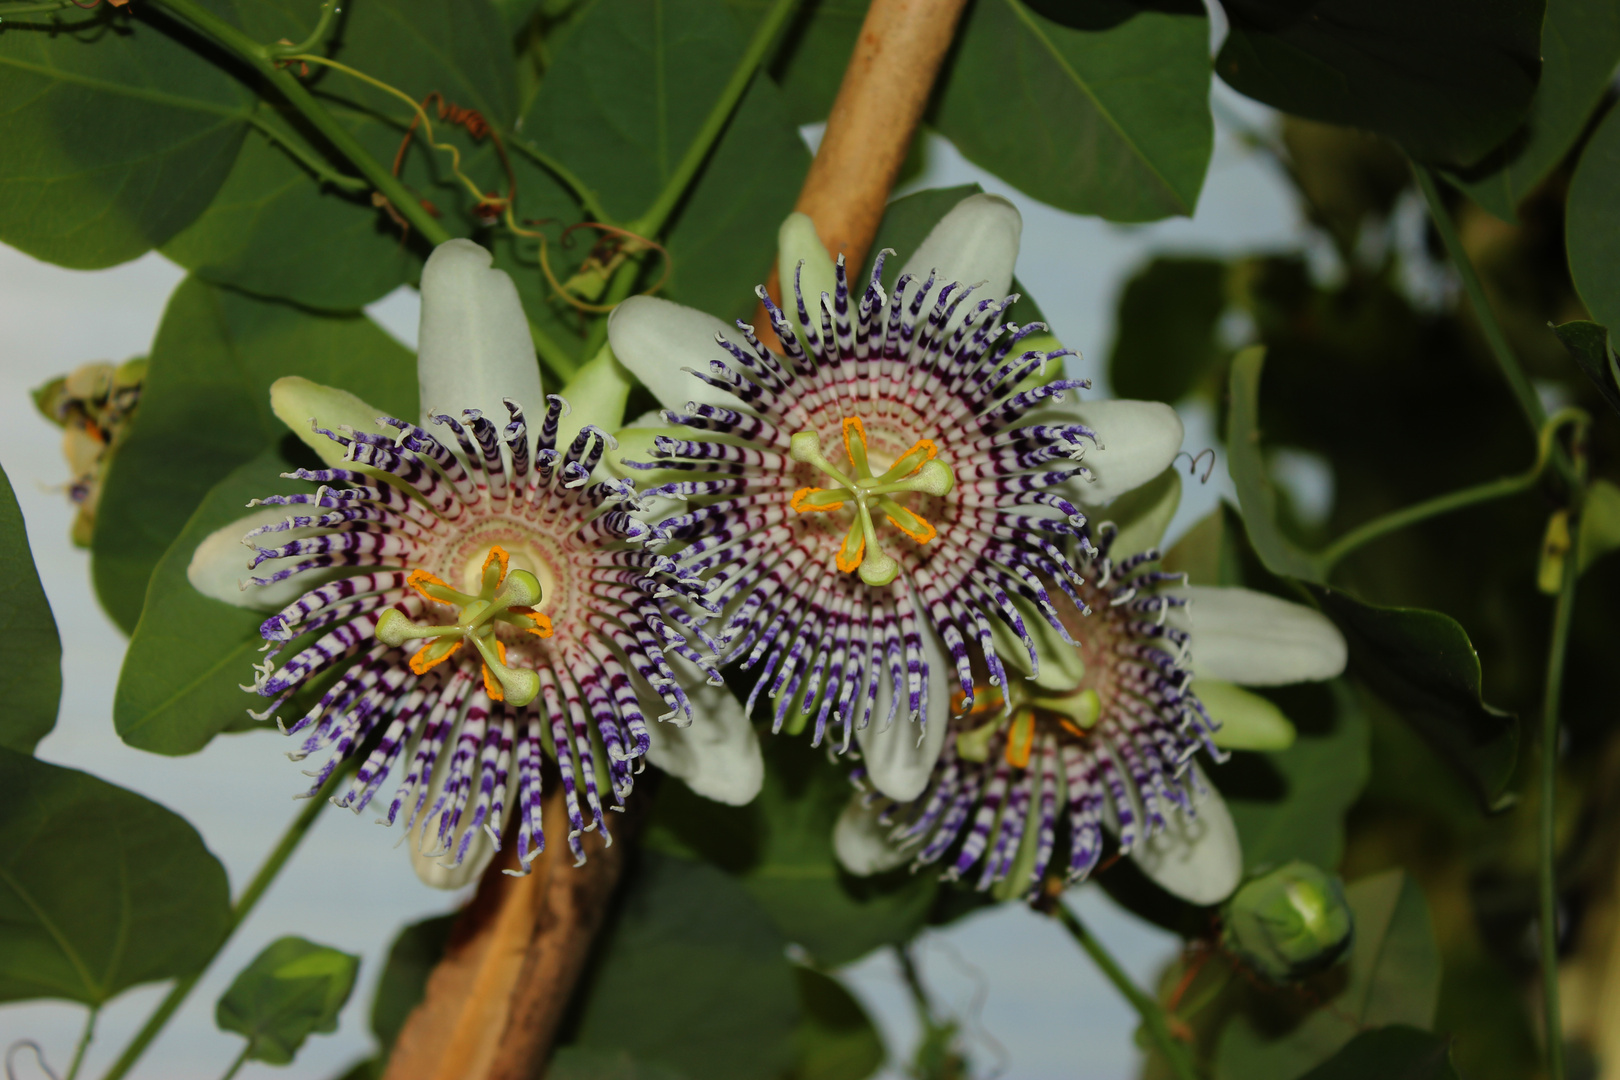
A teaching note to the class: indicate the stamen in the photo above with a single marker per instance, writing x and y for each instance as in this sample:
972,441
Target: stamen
917,470
503,598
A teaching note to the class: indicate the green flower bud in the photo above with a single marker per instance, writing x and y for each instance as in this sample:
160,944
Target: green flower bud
1289,923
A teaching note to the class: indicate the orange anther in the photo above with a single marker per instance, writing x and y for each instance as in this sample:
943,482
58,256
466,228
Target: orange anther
421,663
420,579
801,501
1021,739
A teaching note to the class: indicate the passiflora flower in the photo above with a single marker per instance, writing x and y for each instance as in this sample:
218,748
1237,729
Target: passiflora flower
884,504
1103,735
480,595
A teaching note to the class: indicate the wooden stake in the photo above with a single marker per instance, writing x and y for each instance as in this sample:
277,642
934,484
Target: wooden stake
869,131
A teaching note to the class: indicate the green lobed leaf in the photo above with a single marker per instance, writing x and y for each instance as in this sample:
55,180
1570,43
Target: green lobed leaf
31,663
1396,1052
1422,664
1291,804
276,230
780,847
100,888
1393,978
723,241
293,989
623,102
1168,316
190,655
691,976
1588,344
1256,496
117,131
589,1063
1580,46
1113,121
1592,224
836,1039
411,959
1449,80
809,60
205,409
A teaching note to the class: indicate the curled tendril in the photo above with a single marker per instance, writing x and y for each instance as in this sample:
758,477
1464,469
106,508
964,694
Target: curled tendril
1192,463
28,1044
606,256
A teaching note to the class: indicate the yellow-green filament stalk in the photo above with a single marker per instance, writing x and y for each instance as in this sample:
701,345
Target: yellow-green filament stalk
918,470
503,598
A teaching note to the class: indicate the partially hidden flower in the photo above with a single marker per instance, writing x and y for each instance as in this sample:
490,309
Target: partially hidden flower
478,598
1104,736
94,405
882,507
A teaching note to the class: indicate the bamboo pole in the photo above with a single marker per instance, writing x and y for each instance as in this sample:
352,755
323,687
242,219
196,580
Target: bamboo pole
869,131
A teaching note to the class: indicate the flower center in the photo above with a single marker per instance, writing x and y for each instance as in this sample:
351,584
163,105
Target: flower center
502,597
1076,712
918,469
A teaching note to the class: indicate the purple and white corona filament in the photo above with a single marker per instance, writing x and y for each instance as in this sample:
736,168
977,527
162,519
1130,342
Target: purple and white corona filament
468,595
430,544
1117,744
895,476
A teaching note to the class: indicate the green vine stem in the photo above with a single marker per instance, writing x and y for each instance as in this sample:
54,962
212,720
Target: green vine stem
653,221
236,1066
262,58
1547,871
84,1041
309,161
1153,1018
9,10
1517,381
1379,527
240,910
316,36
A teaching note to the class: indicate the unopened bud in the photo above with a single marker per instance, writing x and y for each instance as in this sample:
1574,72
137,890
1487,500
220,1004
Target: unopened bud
1289,923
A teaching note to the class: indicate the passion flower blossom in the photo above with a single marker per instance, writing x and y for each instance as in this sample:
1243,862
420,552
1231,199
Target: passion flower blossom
886,499
496,603
1105,735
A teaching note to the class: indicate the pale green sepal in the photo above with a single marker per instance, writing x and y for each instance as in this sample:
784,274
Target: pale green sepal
863,844
1600,522
296,401
636,444
1143,514
1247,721
219,565
795,241
1017,883
595,395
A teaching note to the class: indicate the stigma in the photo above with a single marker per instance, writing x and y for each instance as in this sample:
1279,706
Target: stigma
919,469
502,598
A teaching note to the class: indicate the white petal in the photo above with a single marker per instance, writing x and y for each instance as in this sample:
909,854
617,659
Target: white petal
1199,859
1247,637
657,339
1139,440
897,763
474,347
1247,721
595,395
797,241
862,843
718,754
1144,514
303,405
977,241
219,566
